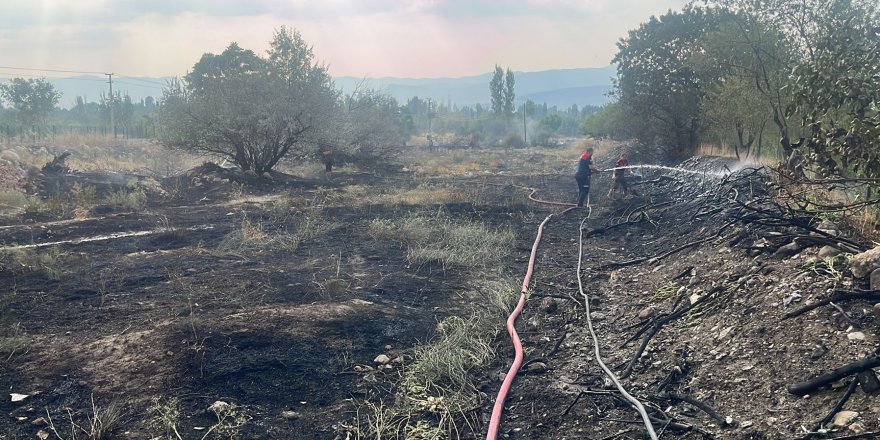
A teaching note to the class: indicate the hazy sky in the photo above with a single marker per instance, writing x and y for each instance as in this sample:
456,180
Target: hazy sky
416,38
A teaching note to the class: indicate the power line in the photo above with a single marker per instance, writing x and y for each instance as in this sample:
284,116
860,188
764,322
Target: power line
131,78
51,70
20,75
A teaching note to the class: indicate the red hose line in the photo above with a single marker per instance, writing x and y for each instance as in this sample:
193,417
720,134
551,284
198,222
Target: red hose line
547,202
495,421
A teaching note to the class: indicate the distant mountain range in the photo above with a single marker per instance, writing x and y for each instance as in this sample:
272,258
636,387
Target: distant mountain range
560,87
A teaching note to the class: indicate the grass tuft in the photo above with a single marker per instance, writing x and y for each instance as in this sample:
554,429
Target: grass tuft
440,238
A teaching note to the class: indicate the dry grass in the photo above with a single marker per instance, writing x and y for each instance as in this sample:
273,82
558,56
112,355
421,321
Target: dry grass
94,152
46,261
290,227
530,161
440,238
438,390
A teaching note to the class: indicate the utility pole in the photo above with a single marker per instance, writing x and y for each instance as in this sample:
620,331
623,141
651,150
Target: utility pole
112,109
430,136
525,139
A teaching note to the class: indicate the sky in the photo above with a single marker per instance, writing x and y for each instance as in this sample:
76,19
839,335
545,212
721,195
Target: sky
361,38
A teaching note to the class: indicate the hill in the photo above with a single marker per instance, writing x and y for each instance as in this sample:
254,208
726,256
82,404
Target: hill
559,87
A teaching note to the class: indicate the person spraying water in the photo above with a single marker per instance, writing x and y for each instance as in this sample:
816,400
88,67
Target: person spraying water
583,175
619,175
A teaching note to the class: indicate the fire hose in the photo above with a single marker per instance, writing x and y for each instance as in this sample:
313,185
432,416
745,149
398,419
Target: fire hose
497,410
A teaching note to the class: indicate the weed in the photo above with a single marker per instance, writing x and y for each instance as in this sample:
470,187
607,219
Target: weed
104,420
249,237
83,198
100,424
164,416
13,199
230,419
134,199
13,341
28,260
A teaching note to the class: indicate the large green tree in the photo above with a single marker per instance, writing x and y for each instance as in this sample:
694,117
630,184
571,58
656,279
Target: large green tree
31,99
251,110
658,89
816,64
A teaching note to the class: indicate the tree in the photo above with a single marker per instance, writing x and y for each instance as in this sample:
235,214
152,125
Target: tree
838,89
657,88
509,93
817,62
373,128
251,110
497,91
32,99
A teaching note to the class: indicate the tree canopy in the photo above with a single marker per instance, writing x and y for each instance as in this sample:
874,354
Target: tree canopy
31,99
252,110
800,75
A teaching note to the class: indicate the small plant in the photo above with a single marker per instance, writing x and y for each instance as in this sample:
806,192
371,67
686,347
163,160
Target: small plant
13,199
83,198
165,415
24,260
249,237
230,419
13,341
104,420
134,199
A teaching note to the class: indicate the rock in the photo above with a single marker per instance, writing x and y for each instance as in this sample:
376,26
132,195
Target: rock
694,298
875,279
723,334
40,421
828,251
389,347
382,359
868,381
596,316
18,397
267,176
844,418
877,312
398,360
788,250
536,367
289,415
856,336
864,263
363,368
647,313
747,424
549,305
42,434
819,350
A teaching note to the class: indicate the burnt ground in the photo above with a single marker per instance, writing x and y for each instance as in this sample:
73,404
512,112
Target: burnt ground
167,318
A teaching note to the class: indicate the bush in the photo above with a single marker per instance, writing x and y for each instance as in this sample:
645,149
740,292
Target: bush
513,141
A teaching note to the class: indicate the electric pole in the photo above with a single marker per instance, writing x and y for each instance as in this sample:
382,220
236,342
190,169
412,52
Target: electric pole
430,136
112,109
